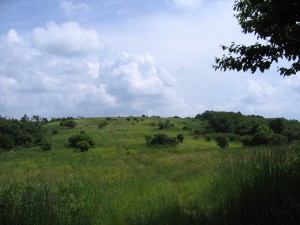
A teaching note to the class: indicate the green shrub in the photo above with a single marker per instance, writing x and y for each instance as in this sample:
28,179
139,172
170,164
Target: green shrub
54,132
23,139
247,140
68,123
6,141
83,145
279,139
263,135
45,145
186,128
102,124
233,137
197,132
81,141
222,141
165,125
152,124
180,137
208,137
160,140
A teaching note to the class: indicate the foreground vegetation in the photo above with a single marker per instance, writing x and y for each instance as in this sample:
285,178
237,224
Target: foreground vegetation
122,179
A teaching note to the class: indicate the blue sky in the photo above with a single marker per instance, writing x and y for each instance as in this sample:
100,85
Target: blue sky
129,57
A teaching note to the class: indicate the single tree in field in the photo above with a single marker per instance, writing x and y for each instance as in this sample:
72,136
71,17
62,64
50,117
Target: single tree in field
276,23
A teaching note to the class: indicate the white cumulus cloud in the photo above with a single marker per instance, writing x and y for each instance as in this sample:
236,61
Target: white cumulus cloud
139,84
38,76
68,39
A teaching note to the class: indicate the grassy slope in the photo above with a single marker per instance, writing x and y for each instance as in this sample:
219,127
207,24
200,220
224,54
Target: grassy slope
121,180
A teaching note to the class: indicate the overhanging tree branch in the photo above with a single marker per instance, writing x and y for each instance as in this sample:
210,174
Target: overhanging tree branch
277,22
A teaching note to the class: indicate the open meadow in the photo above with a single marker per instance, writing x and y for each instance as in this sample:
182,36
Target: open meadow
122,180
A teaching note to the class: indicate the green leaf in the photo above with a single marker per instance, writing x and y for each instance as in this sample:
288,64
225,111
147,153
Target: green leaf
262,68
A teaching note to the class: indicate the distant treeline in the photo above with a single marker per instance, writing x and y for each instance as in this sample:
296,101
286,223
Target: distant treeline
253,129
26,132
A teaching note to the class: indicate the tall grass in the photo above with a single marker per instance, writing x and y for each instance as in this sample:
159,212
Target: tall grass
42,204
262,188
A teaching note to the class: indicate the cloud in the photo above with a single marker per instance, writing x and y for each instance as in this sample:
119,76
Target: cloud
139,84
67,39
185,4
69,7
263,98
37,78
35,81
13,37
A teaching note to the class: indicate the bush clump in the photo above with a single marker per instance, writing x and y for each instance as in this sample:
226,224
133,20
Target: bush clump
165,125
6,141
180,137
81,142
45,145
186,128
208,137
222,141
161,140
68,123
102,124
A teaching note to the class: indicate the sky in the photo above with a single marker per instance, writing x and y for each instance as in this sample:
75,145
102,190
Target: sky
94,58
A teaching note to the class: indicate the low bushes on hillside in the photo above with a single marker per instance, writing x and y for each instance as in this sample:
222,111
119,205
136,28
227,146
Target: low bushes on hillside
180,137
21,133
102,124
222,141
161,140
81,142
6,141
165,125
264,136
68,123
253,129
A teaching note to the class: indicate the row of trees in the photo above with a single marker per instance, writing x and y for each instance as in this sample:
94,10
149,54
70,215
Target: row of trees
254,130
26,132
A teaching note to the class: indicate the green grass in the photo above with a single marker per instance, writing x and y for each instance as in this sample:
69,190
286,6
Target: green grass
123,181
261,188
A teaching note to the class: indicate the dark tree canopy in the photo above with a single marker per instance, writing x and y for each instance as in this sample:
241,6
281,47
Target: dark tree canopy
277,23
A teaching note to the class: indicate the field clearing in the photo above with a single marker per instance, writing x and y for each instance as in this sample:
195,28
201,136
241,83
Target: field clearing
121,180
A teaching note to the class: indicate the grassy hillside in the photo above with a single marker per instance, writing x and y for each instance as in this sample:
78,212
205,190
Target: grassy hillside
121,180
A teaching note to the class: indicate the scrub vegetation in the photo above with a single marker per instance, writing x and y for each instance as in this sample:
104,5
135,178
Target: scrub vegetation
216,168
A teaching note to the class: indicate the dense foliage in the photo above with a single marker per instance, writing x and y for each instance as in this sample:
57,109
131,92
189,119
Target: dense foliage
23,133
277,24
165,125
68,122
252,130
81,142
161,139
102,124
222,141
